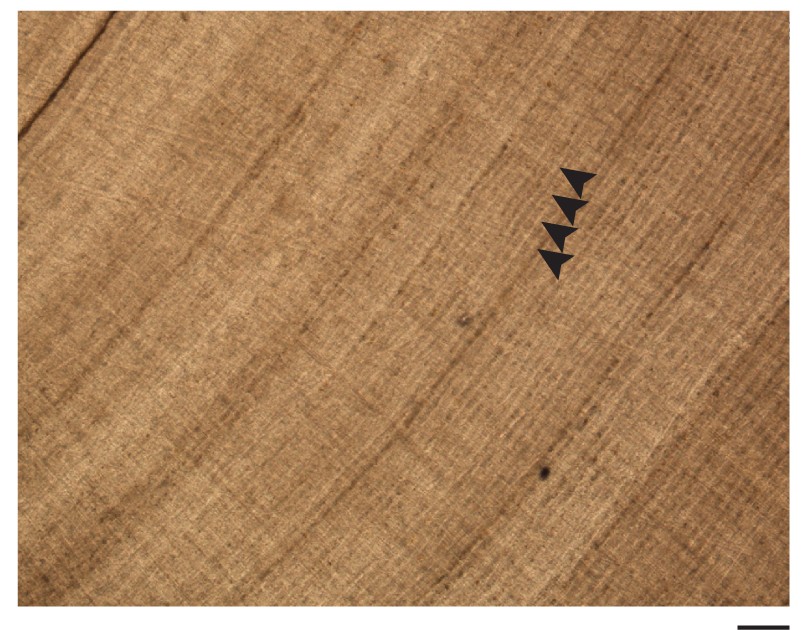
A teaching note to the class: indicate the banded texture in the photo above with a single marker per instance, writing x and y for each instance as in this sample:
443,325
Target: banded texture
285,337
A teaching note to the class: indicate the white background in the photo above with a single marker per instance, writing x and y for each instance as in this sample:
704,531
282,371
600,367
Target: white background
12,616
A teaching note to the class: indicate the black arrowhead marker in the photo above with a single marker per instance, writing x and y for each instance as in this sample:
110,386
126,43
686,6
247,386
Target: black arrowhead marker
577,179
558,232
554,260
569,206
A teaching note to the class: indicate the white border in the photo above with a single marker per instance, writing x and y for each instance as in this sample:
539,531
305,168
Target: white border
403,5
566,617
